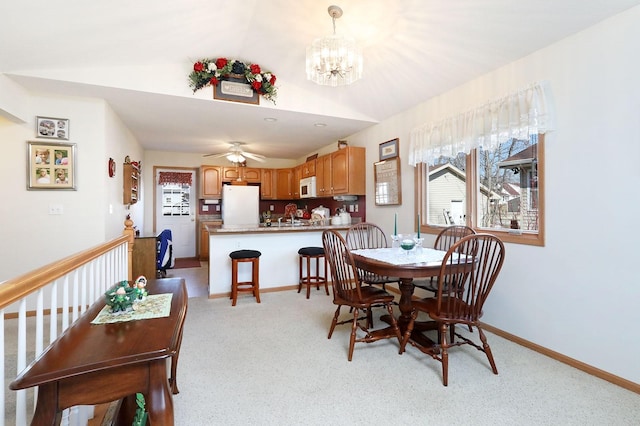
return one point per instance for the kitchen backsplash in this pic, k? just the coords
(358, 207)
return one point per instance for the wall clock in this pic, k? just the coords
(112, 167)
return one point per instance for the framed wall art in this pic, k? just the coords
(51, 166)
(53, 128)
(236, 90)
(388, 186)
(389, 149)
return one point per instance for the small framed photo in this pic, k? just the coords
(53, 128)
(389, 149)
(51, 166)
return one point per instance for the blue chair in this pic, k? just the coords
(164, 259)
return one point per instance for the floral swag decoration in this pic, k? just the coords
(209, 71)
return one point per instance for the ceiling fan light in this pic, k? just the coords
(236, 158)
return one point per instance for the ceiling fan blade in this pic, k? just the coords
(224, 154)
(256, 157)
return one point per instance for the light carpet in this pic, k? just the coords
(272, 364)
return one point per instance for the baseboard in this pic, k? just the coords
(601, 374)
(611, 378)
(262, 290)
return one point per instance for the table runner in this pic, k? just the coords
(154, 306)
(397, 256)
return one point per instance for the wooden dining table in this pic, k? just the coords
(407, 266)
(97, 363)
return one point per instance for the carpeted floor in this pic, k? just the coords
(272, 364)
(186, 262)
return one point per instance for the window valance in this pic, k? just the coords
(177, 178)
(517, 115)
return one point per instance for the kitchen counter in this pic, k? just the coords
(279, 246)
(274, 228)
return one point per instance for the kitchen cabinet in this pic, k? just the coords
(131, 184)
(249, 174)
(210, 182)
(323, 176)
(267, 184)
(348, 171)
(341, 173)
(204, 237)
(309, 168)
(284, 184)
(295, 181)
(144, 257)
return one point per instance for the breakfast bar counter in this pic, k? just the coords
(279, 246)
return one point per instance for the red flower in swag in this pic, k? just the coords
(198, 66)
(256, 85)
(221, 63)
(255, 69)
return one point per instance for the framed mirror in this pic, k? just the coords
(388, 184)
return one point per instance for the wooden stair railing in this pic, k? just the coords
(69, 285)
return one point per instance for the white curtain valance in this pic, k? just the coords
(518, 115)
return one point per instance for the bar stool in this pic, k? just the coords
(306, 254)
(252, 286)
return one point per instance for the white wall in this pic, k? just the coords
(579, 294)
(30, 236)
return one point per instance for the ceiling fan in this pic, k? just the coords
(236, 154)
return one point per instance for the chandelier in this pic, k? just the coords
(334, 60)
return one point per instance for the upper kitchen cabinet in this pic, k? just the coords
(323, 176)
(248, 174)
(284, 184)
(268, 184)
(210, 182)
(341, 173)
(309, 168)
(295, 181)
(131, 174)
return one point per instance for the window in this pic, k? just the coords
(496, 190)
(175, 199)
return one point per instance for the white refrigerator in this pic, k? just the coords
(240, 206)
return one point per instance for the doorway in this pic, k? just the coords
(175, 208)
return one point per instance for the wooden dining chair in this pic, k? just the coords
(445, 239)
(349, 291)
(469, 271)
(365, 235)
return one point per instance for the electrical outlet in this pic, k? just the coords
(351, 208)
(56, 209)
(205, 208)
(356, 207)
(270, 207)
(217, 207)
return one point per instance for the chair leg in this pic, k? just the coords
(308, 279)
(256, 277)
(300, 279)
(407, 333)
(352, 339)
(487, 350)
(234, 282)
(334, 322)
(444, 354)
(326, 276)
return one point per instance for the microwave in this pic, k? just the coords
(308, 187)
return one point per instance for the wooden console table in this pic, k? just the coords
(98, 363)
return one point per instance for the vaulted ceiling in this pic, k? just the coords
(137, 55)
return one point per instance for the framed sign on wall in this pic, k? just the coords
(388, 184)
